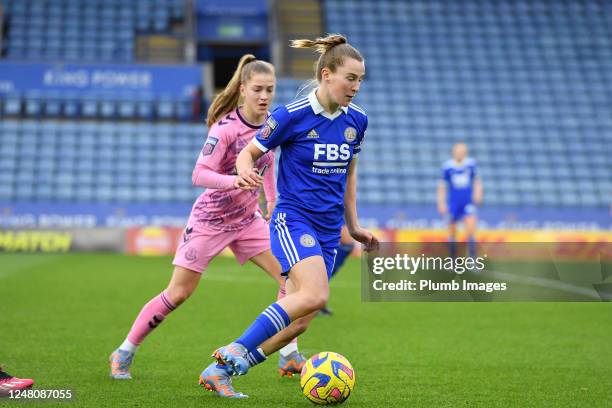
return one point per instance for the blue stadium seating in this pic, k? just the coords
(83, 30)
(526, 84)
(98, 161)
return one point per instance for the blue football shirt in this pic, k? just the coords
(459, 180)
(316, 150)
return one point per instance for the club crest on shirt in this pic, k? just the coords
(268, 128)
(350, 134)
(209, 146)
(191, 255)
(307, 241)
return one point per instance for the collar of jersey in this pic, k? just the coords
(456, 164)
(318, 109)
(244, 121)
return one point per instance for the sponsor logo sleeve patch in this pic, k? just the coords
(268, 128)
(209, 146)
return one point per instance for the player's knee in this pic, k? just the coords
(179, 294)
(315, 301)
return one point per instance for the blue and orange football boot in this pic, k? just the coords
(233, 357)
(292, 364)
(216, 378)
(120, 364)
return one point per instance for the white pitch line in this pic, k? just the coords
(27, 261)
(543, 283)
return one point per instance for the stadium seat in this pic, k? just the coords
(144, 108)
(53, 105)
(107, 108)
(33, 104)
(71, 106)
(12, 105)
(165, 108)
(89, 108)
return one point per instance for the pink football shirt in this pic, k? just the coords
(229, 209)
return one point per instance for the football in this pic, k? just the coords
(327, 378)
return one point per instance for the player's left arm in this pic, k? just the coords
(269, 187)
(477, 186)
(441, 195)
(477, 194)
(350, 211)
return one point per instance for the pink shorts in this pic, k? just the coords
(200, 245)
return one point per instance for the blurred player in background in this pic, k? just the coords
(224, 215)
(10, 383)
(459, 192)
(321, 136)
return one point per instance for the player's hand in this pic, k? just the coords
(269, 210)
(366, 238)
(248, 179)
(477, 199)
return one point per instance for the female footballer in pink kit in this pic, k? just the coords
(227, 213)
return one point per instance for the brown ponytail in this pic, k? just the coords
(333, 49)
(228, 99)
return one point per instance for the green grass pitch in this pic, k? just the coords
(62, 315)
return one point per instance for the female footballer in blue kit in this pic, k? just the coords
(459, 192)
(320, 136)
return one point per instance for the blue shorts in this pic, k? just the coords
(293, 238)
(458, 212)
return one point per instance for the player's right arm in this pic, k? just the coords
(477, 196)
(248, 175)
(275, 132)
(269, 187)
